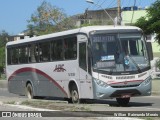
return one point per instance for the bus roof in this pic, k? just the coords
(85, 30)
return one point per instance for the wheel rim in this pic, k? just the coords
(75, 96)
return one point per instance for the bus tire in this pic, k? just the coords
(29, 91)
(123, 101)
(75, 95)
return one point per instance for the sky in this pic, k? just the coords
(15, 13)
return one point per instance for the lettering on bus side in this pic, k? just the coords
(71, 74)
(59, 68)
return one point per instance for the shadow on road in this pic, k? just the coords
(110, 102)
(113, 103)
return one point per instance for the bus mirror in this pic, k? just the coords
(89, 51)
(150, 52)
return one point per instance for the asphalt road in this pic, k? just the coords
(149, 103)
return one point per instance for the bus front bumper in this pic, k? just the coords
(105, 92)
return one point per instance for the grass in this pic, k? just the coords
(3, 77)
(150, 118)
(55, 105)
(11, 102)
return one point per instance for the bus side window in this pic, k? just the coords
(31, 53)
(9, 53)
(82, 56)
(57, 50)
(36, 53)
(44, 51)
(15, 55)
(23, 56)
(70, 48)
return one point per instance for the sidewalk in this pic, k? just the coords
(3, 83)
(156, 87)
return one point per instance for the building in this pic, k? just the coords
(18, 37)
(130, 17)
(97, 17)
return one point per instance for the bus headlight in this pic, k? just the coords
(147, 80)
(100, 82)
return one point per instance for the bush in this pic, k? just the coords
(158, 64)
(1, 70)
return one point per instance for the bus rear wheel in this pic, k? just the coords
(29, 91)
(75, 95)
(123, 101)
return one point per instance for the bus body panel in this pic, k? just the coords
(45, 78)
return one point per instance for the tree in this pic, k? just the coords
(48, 19)
(3, 40)
(151, 22)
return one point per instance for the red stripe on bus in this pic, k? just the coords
(127, 81)
(39, 72)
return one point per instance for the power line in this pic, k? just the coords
(95, 6)
(103, 2)
(112, 3)
(133, 11)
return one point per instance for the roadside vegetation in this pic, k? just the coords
(53, 105)
(150, 23)
(150, 118)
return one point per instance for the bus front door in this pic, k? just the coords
(86, 90)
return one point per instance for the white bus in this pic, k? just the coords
(95, 62)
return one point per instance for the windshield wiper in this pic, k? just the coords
(139, 70)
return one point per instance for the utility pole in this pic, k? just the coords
(119, 12)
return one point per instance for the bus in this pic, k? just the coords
(94, 62)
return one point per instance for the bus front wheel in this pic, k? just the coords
(123, 101)
(75, 95)
(29, 91)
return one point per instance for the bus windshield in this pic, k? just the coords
(119, 52)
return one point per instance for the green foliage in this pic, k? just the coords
(143, 23)
(3, 40)
(150, 23)
(48, 19)
(1, 69)
(158, 64)
(2, 56)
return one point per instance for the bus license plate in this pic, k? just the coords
(125, 96)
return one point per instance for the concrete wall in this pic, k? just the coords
(127, 16)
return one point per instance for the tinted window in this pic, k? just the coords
(57, 50)
(70, 48)
(9, 50)
(14, 55)
(23, 54)
(82, 56)
(44, 51)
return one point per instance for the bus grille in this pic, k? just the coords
(140, 75)
(125, 77)
(125, 86)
